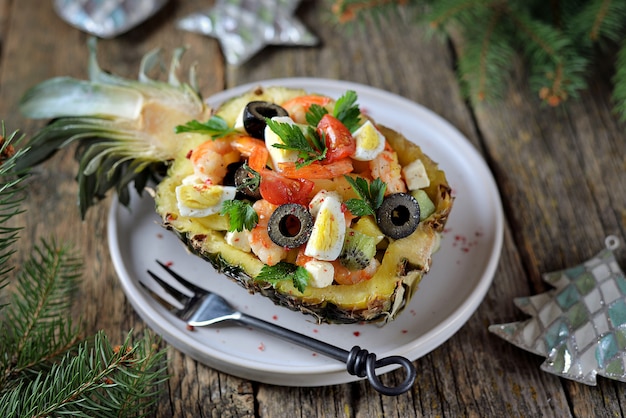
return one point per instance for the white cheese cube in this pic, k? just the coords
(415, 175)
(238, 239)
(322, 273)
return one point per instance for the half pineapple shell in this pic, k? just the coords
(380, 298)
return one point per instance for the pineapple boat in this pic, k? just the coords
(296, 196)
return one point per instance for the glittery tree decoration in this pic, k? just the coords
(244, 27)
(580, 326)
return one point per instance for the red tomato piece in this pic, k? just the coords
(279, 190)
(339, 141)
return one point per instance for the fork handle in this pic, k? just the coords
(359, 361)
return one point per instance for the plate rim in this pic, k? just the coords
(332, 373)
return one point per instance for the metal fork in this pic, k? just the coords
(205, 308)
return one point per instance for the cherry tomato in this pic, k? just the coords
(279, 190)
(339, 141)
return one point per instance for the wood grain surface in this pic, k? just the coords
(561, 174)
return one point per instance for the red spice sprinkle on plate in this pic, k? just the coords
(356, 333)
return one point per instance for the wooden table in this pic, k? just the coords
(560, 171)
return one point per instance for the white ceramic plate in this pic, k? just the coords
(449, 294)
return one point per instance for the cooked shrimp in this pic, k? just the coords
(386, 167)
(298, 106)
(254, 149)
(211, 158)
(345, 276)
(316, 170)
(260, 242)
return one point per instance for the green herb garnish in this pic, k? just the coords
(284, 271)
(309, 150)
(315, 114)
(215, 126)
(346, 111)
(252, 181)
(241, 215)
(371, 196)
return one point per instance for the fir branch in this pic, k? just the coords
(445, 12)
(486, 59)
(100, 380)
(556, 38)
(619, 80)
(557, 72)
(596, 20)
(44, 371)
(350, 10)
(11, 197)
(36, 322)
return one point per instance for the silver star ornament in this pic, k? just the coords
(244, 27)
(106, 18)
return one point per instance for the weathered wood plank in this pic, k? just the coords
(560, 172)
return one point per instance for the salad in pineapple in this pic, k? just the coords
(297, 196)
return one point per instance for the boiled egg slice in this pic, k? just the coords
(369, 142)
(318, 199)
(329, 230)
(196, 200)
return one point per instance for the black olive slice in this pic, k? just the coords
(254, 115)
(290, 225)
(398, 216)
(244, 183)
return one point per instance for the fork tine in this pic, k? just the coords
(167, 304)
(172, 291)
(197, 290)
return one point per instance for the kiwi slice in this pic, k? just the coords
(358, 250)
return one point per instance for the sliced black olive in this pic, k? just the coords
(244, 182)
(229, 178)
(254, 115)
(398, 216)
(290, 225)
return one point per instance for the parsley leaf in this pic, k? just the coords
(294, 140)
(252, 181)
(347, 111)
(215, 126)
(370, 196)
(315, 114)
(241, 215)
(284, 271)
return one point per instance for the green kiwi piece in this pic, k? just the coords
(358, 250)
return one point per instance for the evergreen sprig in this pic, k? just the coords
(558, 39)
(46, 367)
